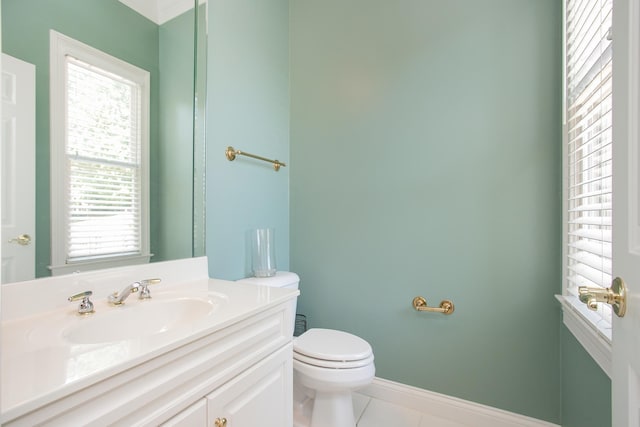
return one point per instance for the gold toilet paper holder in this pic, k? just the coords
(446, 306)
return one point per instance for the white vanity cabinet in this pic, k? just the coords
(194, 415)
(259, 396)
(236, 364)
(255, 398)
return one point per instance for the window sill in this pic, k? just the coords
(78, 267)
(593, 333)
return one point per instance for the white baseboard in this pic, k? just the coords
(447, 407)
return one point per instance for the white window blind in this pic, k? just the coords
(104, 161)
(589, 138)
(99, 158)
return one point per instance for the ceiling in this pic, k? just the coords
(159, 11)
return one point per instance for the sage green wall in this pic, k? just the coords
(110, 26)
(586, 389)
(426, 160)
(248, 108)
(175, 146)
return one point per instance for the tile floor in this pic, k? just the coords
(371, 412)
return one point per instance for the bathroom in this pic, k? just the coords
(372, 105)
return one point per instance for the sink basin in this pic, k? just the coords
(138, 319)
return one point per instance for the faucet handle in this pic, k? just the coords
(86, 306)
(144, 287)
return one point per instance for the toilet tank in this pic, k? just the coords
(282, 279)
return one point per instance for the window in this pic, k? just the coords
(99, 149)
(588, 157)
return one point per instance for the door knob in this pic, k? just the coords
(616, 295)
(23, 239)
(221, 422)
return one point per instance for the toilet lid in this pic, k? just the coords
(332, 346)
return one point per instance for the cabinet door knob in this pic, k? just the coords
(221, 422)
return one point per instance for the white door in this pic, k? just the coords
(18, 170)
(626, 210)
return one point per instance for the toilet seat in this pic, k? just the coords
(333, 364)
(333, 349)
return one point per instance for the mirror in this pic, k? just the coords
(165, 45)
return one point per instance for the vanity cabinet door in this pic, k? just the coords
(194, 415)
(260, 396)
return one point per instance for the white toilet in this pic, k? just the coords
(327, 366)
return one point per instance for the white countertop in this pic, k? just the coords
(40, 364)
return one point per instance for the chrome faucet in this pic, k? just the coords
(142, 286)
(86, 306)
(118, 298)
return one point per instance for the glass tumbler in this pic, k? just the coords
(263, 252)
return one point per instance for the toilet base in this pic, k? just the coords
(333, 410)
(325, 410)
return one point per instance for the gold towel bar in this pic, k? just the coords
(231, 154)
(446, 306)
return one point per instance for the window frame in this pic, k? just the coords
(60, 47)
(588, 328)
